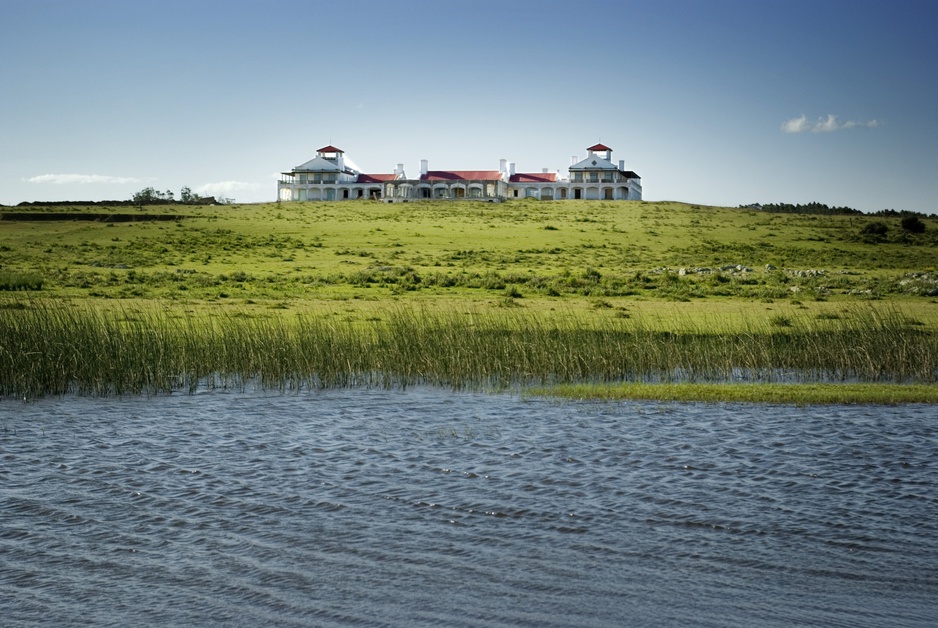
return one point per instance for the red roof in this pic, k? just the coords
(376, 178)
(330, 149)
(599, 147)
(464, 175)
(533, 177)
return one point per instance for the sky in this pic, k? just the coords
(714, 102)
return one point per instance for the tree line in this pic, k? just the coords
(146, 196)
(824, 209)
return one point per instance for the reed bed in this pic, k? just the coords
(47, 349)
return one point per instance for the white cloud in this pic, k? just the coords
(797, 125)
(227, 188)
(65, 179)
(824, 125)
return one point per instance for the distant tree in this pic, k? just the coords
(151, 196)
(186, 195)
(146, 196)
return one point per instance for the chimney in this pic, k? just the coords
(399, 173)
(511, 169)
(621, 164)
(423, 167)
(544, 171)
(573, 160)
(503, 166)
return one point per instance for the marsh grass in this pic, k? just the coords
(48, 349)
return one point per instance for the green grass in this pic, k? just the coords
(12, 282)
(791, 394)
(51, 350)
(310, 254)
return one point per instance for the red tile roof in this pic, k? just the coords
(376, 178)
(599, 147)
(464, 175)
(330, 149)
(533, 177)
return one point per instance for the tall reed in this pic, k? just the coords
(47, 349)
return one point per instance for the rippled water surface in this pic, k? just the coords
(431, 507)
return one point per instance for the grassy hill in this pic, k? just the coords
(658, 260)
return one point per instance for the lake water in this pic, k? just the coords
(429, 507)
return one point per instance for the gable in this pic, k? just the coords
(594, 162)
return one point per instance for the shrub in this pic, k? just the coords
(875, 228)
(912, 224)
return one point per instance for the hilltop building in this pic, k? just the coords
(332, 176)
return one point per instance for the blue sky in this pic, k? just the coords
(720, 102)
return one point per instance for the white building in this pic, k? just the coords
(332, 176)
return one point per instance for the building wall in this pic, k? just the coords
(626, 190)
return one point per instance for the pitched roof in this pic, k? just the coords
(318, 164)
(599, 147)
(376, 178)
(533, 177)
(461, 175)
(330, 149)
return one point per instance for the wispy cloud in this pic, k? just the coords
(227, 188)
(824, 125)
(65, 179)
